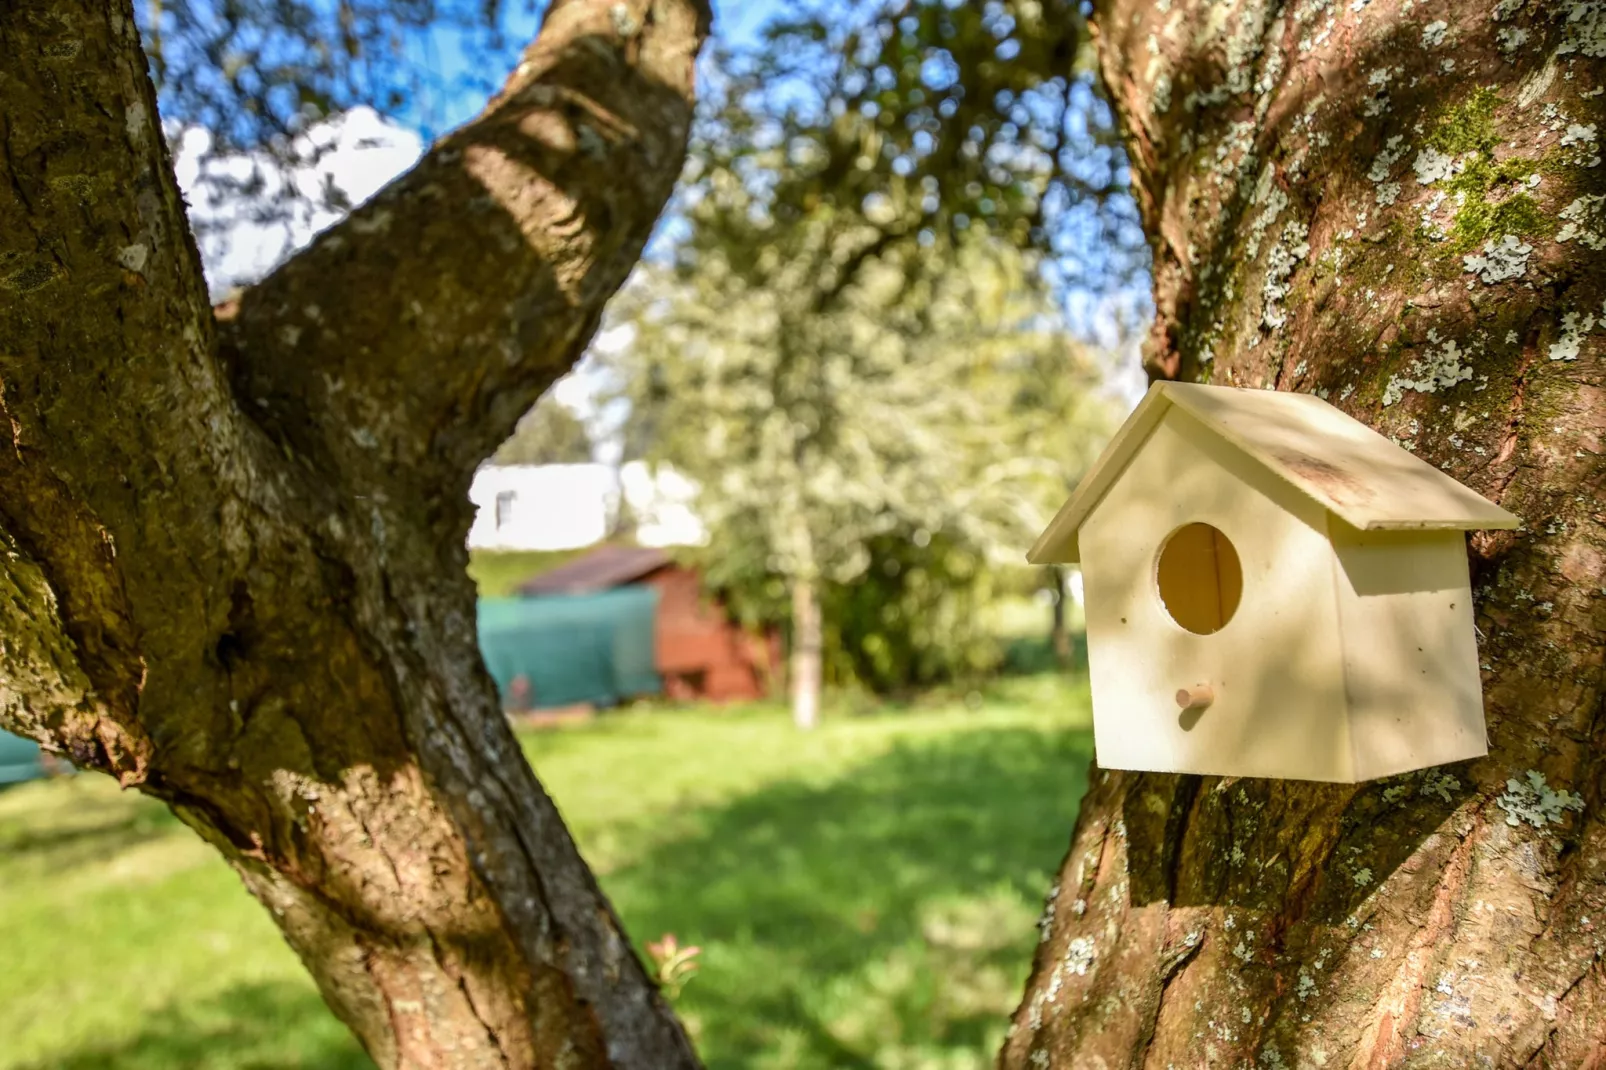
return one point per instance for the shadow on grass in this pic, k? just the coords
(77, 830)
(264, 1026)
(881, 917)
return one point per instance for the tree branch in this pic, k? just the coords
(405, 342)
(273, 632)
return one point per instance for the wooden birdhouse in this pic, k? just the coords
(1274, 590)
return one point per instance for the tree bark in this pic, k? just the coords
(1329, 188)
(232, 547)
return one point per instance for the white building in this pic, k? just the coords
(565, 506)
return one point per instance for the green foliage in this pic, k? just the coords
(862, 895)
(257, 72)
(550, 433)
(856, 352)
(915, 618)
(928, 119)
(888, 440)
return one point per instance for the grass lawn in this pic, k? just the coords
(864, 894)
(497, 573)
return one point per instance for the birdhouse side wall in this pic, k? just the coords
(1410, 649)
(1275, 668)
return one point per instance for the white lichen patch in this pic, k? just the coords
(134, 121)
(1272, 67)
(1432, 166)
(1533, 801)
(625, 24)
(1579, 134)
(1379, 79)
(1274, 199)
(1045, 921)
(1244, 45)
(1585, 33)
(1574, 325)
(1433, 33)
(1285, 256)
(1440, 784)
(1439, 369)
(1160, 98)
(1511, 38)
(1384, 161)
(133, 257)
(1582, 138)
(1585, 222)
(1307, 984)
(1362, 877)
(1079, 955)
(1497, 263)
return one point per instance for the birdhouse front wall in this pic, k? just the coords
(1275, 669)
(1410, 649)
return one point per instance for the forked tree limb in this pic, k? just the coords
(231, 556)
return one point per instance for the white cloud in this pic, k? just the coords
(250, 212)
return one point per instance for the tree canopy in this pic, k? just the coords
(550, 433)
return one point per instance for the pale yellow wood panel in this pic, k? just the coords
(1346, 466)
(1410, 652)
(1336, 462)
(1275, 669)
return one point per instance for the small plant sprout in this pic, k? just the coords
(673, 965)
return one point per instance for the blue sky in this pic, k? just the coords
(455, 72)
(442, 55)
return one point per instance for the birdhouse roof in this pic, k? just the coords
(1344, 466)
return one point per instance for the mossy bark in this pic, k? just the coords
(231, 544)
(1397, 205)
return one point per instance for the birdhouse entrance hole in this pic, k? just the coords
(1199, 578)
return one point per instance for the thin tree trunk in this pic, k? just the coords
(1059, 637)
(1397, 205)
(806, 653)
(233, 567)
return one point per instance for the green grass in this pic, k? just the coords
(498, 572)
(864, 894)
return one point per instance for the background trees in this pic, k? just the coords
(858, 344)
(550, 433)
(878, 457)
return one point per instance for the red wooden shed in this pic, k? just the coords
(698, 649)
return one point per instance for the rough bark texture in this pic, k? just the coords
(1395, 204)
(231, 548)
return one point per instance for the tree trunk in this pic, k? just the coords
(1059, 637)
(1397, 206)
(233, 566)
(806, 653)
